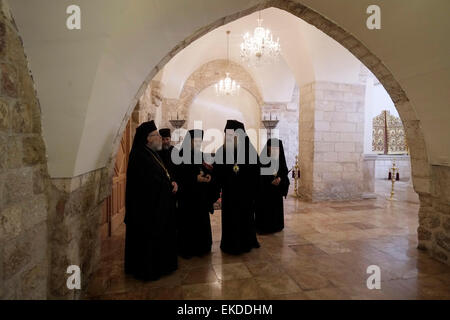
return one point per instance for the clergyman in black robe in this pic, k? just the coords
(166, 155)
(236, 170)
(150, 240)
(195, 202)
(274, 185)
(166, 152)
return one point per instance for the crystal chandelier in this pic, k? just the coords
(260, 48)
(227, 86)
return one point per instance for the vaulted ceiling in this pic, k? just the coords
(87, 79)
(307, 55)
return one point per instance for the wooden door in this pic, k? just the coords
(114, 205)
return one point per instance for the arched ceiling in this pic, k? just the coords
(207, 75)
(307, 55)
(87, 79)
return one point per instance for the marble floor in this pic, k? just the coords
(323, 253)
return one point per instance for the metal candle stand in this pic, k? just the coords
(296, 175)
(177, 124)
(394, 171)
(269, 125)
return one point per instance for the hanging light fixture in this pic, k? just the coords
(260, 48)
(227, 86)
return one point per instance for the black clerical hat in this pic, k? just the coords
(196, 133)
(234, 125)
(146, 127)
(140, 138)
(165, 132)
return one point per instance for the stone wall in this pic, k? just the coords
(75, 213)
(149, 107)
(23, 173)
(332, 135)
(287, 114)
(384, 163)
(45, 225)
(306, 141)
(27, 215)
(170, 107)
(434, 216)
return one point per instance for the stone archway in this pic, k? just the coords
(207, 75)
(210, 73)
(430, 183)
(414, 134)
(432, 206)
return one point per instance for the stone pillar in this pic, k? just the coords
(369, 176)
(24, 179)
(306, 141)
(434, 216)
(331, 141)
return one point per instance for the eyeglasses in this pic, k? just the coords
(155, 135)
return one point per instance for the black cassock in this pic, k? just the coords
(166, 156)
(150, 242)
(195, 205)
(269, 217)
(239, 186)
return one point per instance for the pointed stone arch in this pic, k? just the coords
(421, 169)
(210, 73)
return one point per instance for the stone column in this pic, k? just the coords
(369, 176)
(331, 141)
(306, 141)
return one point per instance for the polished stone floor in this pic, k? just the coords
(323, 253)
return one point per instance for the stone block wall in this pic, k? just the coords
(287, 114)
(331, 141)
(306, 141)
(434, 216)
(149, 107)
(33, 264)
(23, 173)
(75, 213)
(170, 107)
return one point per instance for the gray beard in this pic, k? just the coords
(154, 147)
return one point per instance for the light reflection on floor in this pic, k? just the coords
(323, 253)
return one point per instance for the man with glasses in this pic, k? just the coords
(150, 240)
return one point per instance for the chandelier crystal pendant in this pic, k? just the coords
(260, 49)
(227, 86)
